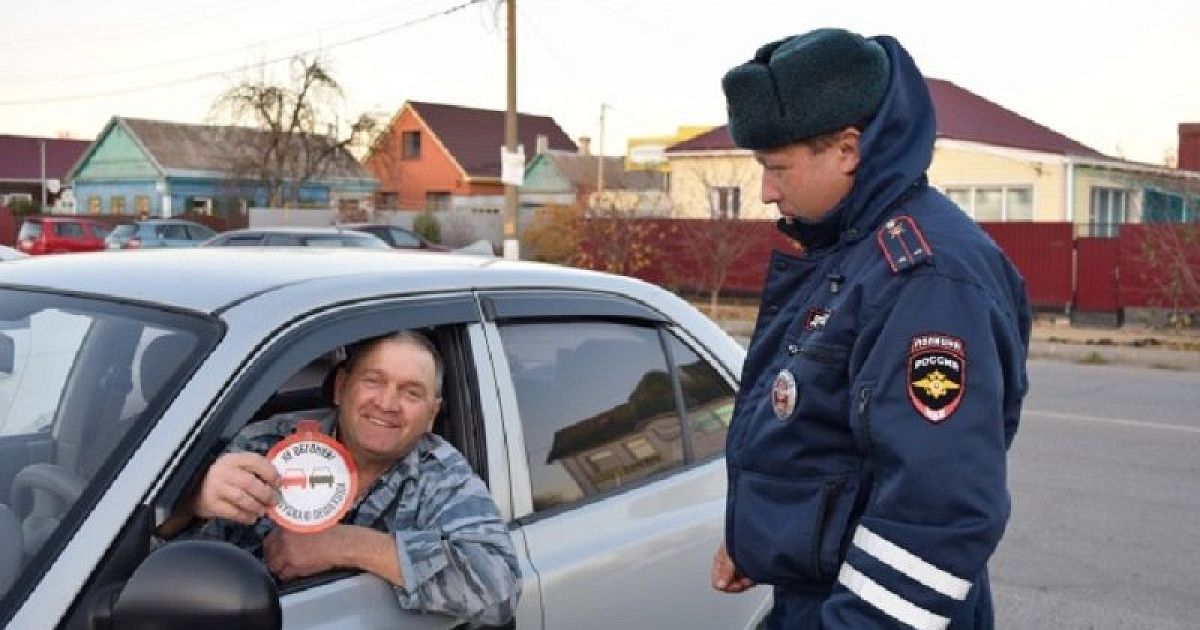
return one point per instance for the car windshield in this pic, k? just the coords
(81, 380)
(124, 230)
(345, 240)
(30, 230)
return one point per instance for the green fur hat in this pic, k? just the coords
(804, 86)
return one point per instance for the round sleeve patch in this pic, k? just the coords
(937, 375)
(319, 479)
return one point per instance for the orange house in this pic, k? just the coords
(433, 153)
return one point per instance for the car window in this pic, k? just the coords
(172, 231)
(199, 232)
(241, 241)
(30, 230)
(124, 230)
(597, 406)
(68, 230)
(99, 231)
(402, 238)
(276, 240)
(707, 397)
(76, 377)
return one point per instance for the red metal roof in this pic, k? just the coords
(964, 115)
(20, 157)
(961, 115)
(474, 136)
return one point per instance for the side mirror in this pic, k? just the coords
(198, 584)
(8, 352)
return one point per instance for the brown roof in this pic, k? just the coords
(961, 115)
(213, 148)
(474, 136)
(21, 157)
(582, 170)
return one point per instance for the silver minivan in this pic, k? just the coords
(595, 408)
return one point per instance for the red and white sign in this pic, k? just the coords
(319, 480)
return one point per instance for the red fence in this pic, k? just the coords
(1147, 266)
(8, 227)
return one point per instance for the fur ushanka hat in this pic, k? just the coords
(805, 86)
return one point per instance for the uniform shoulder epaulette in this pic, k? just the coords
(903, 244)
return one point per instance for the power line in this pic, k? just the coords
(57, 78)
(245, 67)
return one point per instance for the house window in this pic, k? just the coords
(1109, 209)
(141, 204)
(437, 200)
(200, 205)
(388, 200)
(725, 201)
(410, 145)
(1165, 207)
(994, 203)
(95, 204)
(118, 205)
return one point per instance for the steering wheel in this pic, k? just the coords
(41, 494)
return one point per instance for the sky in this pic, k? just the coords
(1116, 76)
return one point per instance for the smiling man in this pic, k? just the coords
(422, 520)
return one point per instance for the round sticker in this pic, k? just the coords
(783, 394)
(319, 479)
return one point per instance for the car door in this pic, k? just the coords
(616, 424)
(343, 599)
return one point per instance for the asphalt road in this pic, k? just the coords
(1105, 484)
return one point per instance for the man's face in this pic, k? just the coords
(807, 183)
(386, 402)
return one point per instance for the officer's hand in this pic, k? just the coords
(238, 487)
(726, 577)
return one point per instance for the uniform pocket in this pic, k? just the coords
(789, 532)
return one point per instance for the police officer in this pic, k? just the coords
(884, 381)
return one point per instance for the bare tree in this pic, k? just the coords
(723, 240)
(614, 235)
(289, 134)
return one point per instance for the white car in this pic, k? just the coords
(8, 253)
(594, 406)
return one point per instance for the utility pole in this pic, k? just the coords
(512, 246)
(600, 154)
(42, 144)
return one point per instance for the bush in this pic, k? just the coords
(426, 225)
(24, 207)
(553, 236)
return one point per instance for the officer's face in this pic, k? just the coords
(806, 181)
(386, 402)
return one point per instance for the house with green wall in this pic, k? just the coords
(165, 169)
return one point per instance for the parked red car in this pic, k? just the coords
(60, 235)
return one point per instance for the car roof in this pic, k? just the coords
(63, 219)
(218, 277)
(293, 229)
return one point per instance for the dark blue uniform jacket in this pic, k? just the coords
(880, 393)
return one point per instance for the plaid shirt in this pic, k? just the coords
(454, 550)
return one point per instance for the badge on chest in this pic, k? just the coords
(784, 394)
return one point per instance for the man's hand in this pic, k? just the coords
(726, 577)
(290, 555)
(238, 487)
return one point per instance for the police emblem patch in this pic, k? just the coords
(319, 479)
(783, 394)
(937, 375)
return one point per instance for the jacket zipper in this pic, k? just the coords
(818, 355)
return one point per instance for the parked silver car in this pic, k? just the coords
(152, 233)
(594, 406)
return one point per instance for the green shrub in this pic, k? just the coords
(426, 225)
